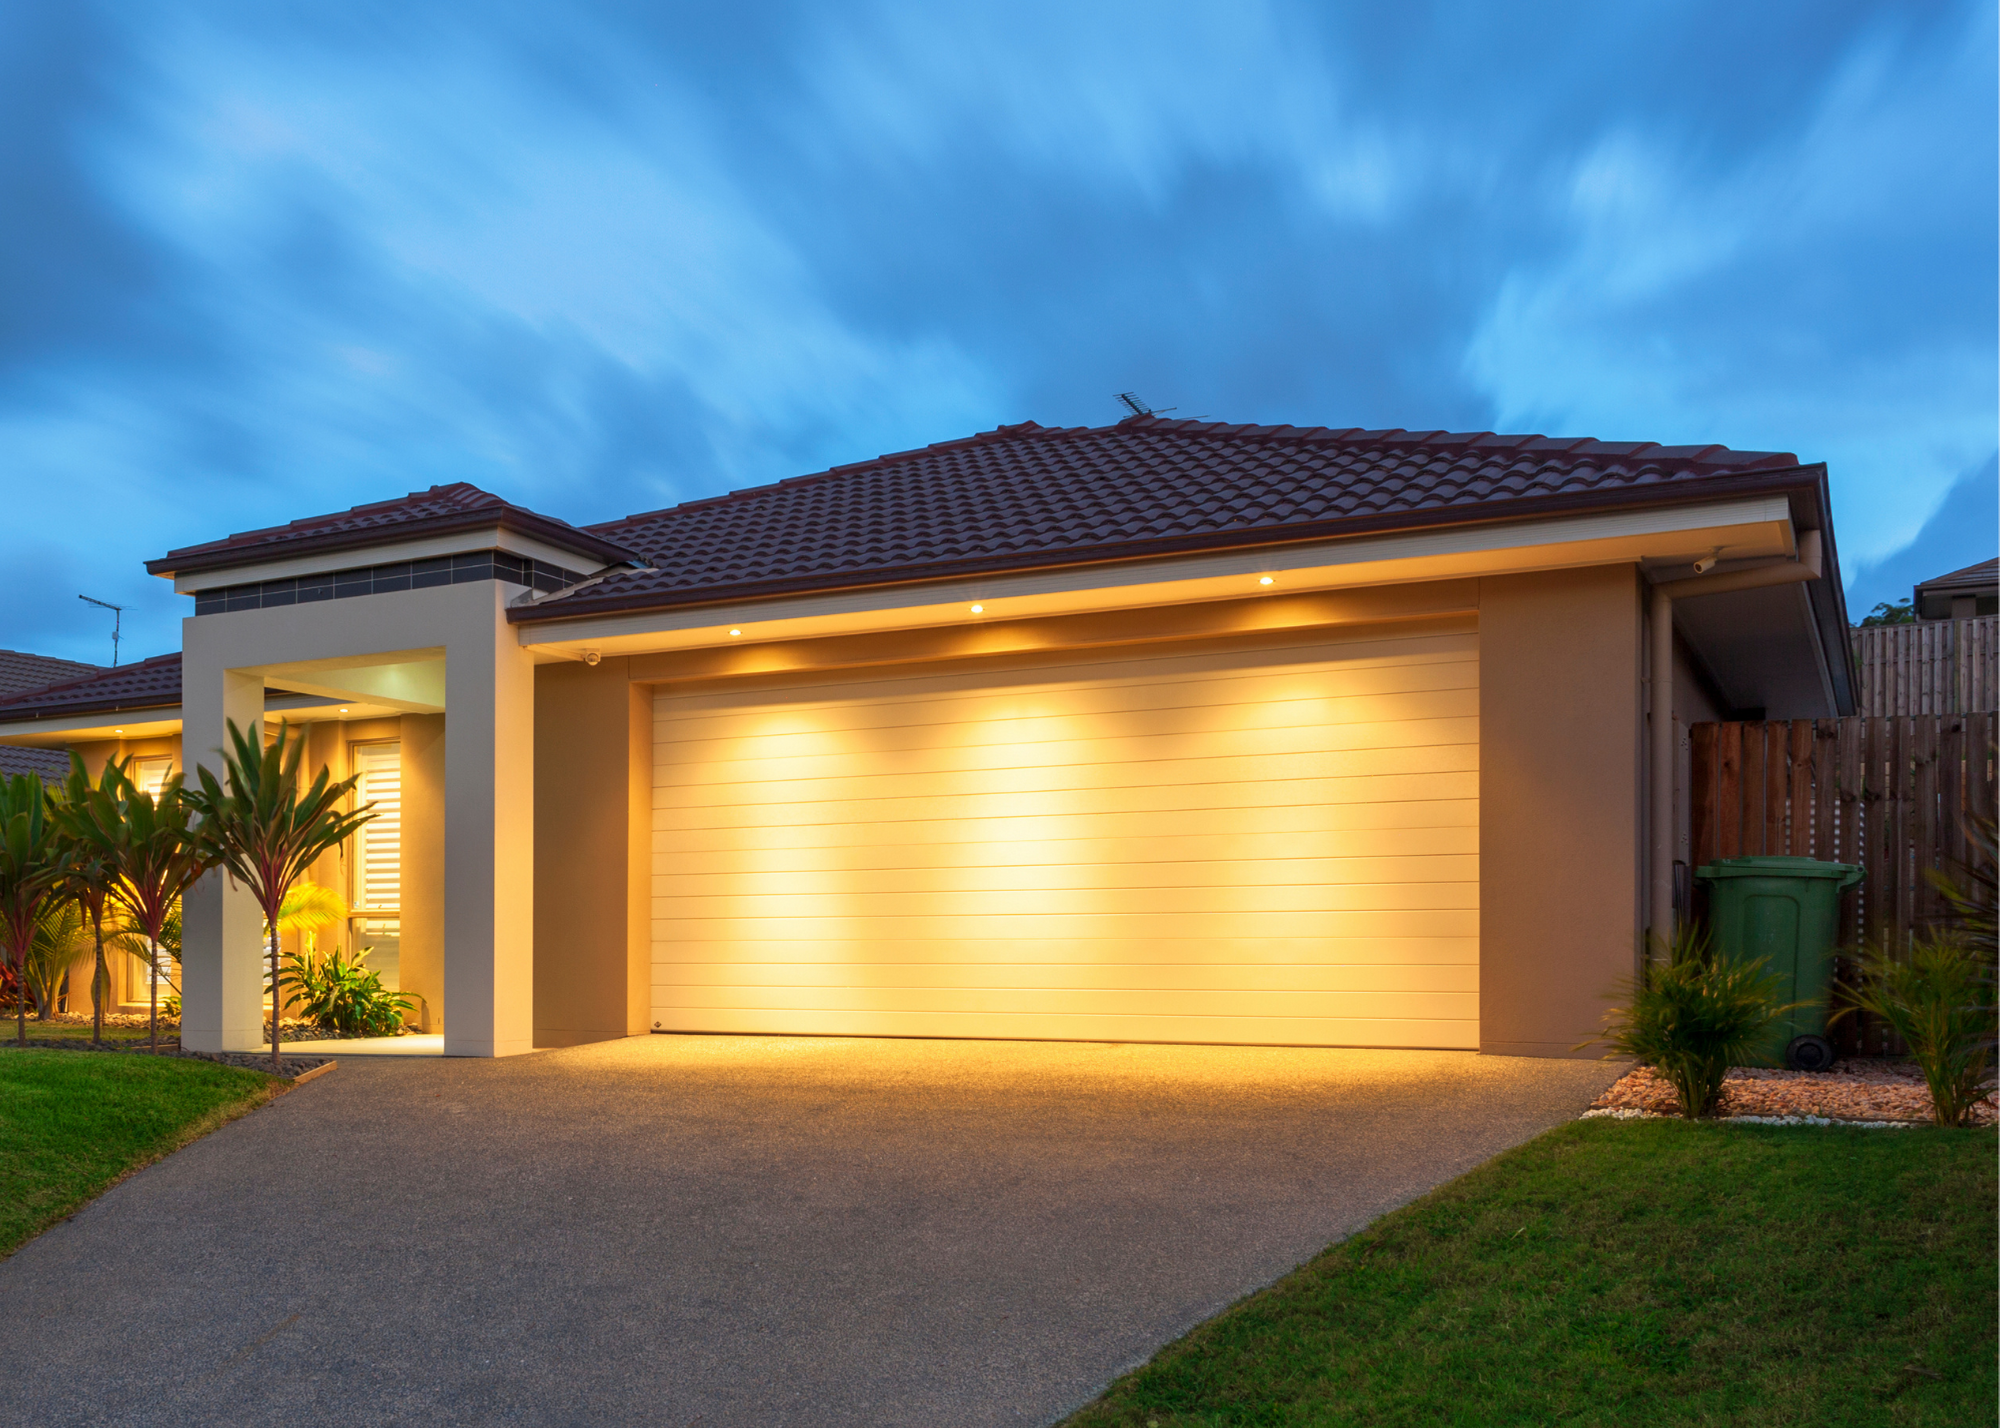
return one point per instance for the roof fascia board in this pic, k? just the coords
(70, 728)
(491, 536)
(1757, 525)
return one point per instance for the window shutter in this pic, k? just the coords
(378, 861)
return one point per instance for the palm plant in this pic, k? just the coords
(91, 870)
(1693, 1014)
(256, 824)
(31, 875)
(1940, 1000)
(60, 935)
(151, 846)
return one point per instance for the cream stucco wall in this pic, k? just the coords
(1561, 763)
(592, 751)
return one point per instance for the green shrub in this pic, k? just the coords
(1693, 1015)
(1940, 1000)
(344, 996)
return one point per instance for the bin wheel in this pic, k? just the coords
(1809, 1053)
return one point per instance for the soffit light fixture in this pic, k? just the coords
(1263, 580)
(734, 633)
(978, 609)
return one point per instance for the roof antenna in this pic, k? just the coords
(117, 620)
(1138, 408)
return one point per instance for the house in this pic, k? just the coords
(23, 673)
(1159, 731)
(1962, 595)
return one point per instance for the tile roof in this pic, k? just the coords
(21, 672)
(1028, 495)
(150, 684)
(438, 511)
(1986, 573)
(51, 764)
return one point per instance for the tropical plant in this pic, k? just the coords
(310, 908)
(151, 846)
(90, 867)
(1940, 1000)
(256, 824)
(61, 934)
(344, 996)
(1692, 1014)
(31, 874)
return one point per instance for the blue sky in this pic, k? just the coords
(265, 259)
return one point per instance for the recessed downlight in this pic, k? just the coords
(978, 609)
(734, 633)
(1263, 580)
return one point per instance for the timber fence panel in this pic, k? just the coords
(1930, 667)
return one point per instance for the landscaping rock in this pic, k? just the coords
(1855, 1091)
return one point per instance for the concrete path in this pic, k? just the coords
(732, 1230)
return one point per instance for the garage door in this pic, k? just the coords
(1270, 841)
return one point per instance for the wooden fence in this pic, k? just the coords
(1931, 667)
(1890, 795)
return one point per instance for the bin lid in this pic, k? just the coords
(1775, 866)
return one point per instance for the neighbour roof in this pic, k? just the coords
(438, 511)
(21, 672)
(1983, 576)
(150, 684)
(1028, 495)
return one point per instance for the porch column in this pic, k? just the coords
(222, 980)
(489, 849)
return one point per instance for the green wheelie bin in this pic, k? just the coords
(1786, 913)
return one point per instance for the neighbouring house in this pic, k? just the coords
(1161, 731)
(1961, 595)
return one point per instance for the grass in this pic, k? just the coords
(73, 1125)
(1639, 1272)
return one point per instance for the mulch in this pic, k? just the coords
(1850, 1091)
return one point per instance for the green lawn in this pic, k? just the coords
(1637, 1272)
(73, 1123)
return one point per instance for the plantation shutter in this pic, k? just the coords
(151, 775)
(378, 852)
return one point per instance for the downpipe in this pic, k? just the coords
(1660, 791)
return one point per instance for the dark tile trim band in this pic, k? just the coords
(385, 579)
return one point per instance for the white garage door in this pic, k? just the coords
(1269, 841)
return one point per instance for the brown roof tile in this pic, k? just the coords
(150, 684)
(440, 510)
(1028, 495)
(21, 672)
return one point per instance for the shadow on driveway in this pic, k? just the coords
(733, 1230)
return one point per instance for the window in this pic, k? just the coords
(151, 776)
(378, 859)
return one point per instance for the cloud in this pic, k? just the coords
(1962, 531)
(607, 255)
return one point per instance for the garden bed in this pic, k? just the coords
(1875, 1091)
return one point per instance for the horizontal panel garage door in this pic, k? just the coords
(1268, 841)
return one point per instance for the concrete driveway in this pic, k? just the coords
(732, 1230)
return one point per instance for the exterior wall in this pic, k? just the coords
(592, 820)
(1561, 840)
(423, 737)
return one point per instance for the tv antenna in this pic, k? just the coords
(1138, 407)
(117, 620)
